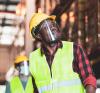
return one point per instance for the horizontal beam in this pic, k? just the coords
(5, 24)
(9, 2)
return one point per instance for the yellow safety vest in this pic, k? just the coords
(61, 78)
(16, 86)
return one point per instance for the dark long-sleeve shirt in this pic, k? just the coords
(81, 64)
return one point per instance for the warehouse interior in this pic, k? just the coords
(79, 21)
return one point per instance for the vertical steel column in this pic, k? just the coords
(98, 21)
(30, 6)
(81, 22)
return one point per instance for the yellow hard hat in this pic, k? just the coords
(37, 18)
(20, 59)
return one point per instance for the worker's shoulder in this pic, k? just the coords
(67, 43)
(35, 52)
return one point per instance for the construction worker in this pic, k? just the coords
(21, 80)
(58, 66)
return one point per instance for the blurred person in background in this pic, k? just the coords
(58, 66)
(18, 77)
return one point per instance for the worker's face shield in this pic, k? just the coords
(23, 68)
(48, 31)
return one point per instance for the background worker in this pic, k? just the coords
(20, 81)
(58, 66)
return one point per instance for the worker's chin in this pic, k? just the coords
(52, 43)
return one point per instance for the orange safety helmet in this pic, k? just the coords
(20, 59)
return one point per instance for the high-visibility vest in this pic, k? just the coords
(17, 87)
(60, 78)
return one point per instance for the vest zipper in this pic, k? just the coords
(50, 65)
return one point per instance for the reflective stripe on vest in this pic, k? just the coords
(16, 86)
(60, 84)
(60, 78)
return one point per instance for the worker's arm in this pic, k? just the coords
(84, 69)
(90, 89)
(90, 84)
